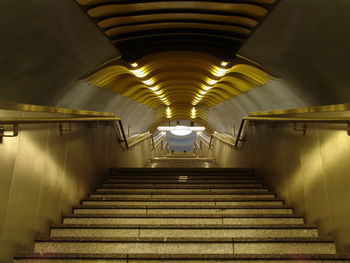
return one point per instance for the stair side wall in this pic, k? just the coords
(43, 174)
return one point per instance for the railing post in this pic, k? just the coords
(123, 134)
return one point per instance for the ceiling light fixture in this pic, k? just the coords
(140, 73)
(134, 65)
(212, 81)
(168, 112)
(224, 63)
(180, 130)
(219, 72)
(148, 82)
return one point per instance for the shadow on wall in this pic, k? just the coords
(85, 96)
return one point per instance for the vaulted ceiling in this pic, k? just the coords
(178, 57)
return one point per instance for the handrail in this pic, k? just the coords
(16, 121)
(314, 120)
(241, 135)
(206, 140)
(224, 138)
(5, 121)
(139, 138)
(157, 140)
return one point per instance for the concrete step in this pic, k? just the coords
(188, 196)
(185, 245)
(177, 258)
(181, 171)
(183, 186)
(188, 177)
(183, 191)
(172, 209)
(181, 180)
(181, 219)
(181, 230)
(183, 203)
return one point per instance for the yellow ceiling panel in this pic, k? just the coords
(179, 80)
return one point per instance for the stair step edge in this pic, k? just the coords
(184, 216)
(181, 207)
(186, 226)
(186, 239)
(26, 255)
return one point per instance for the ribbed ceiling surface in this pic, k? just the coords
(180, 54)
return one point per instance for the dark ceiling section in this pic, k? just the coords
(140, 28)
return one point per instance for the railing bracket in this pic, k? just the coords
(62, 129)
(303, 129)
(8, 133)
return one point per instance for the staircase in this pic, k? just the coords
(182, 215)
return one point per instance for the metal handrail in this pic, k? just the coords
(219, 136)
(241, 134)
(139, 138)
(157, 140)
(16, 121)
(9, 121)
(206, 140)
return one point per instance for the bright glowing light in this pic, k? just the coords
(140, 73)
(193, 113)
(157, 92)
(134, 65)
(206, 88)
(212, 81)
(155, 88)
(180, 130)
(199, 96)
(224, 64)
(219, 72)
(148, 82)
(203, 92)
(168, 112)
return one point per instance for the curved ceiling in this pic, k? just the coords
(139, 27)
(179, 84)
(178, 57)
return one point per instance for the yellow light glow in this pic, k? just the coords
(155, 88)
(134, 65)
(206, 88)
(212, 81)
(148, 82)
(203, 92)
(157, 92)
(168, 113)
(219, 72)
(140, 73)
(199, 96)
(224, 63)
(193, 113)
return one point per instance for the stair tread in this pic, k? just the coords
(182, 207)
(184, 216)
(184, 192)
(187, 239)
(189, 226)
(183, 199)
(27, 255)
(185, 187)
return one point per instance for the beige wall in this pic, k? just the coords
(310, 172)
(43, 174)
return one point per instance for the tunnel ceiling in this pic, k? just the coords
(178, 54)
